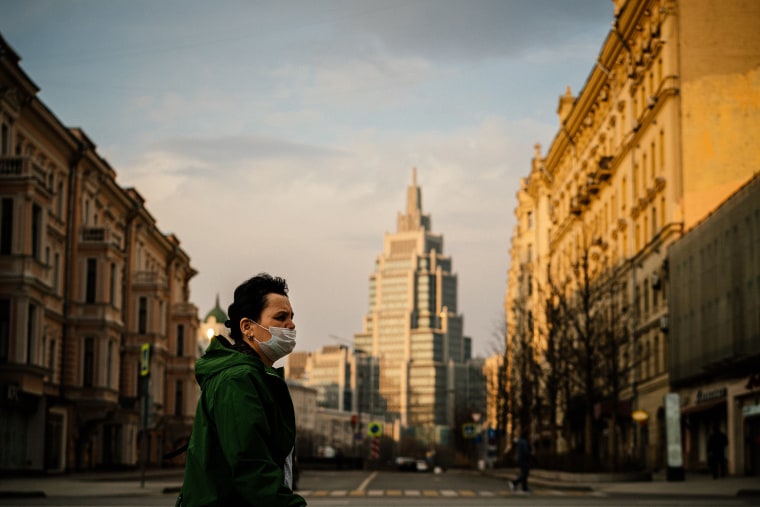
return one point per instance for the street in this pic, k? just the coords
(453, 488)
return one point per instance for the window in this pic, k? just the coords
(178, 398)
(88, 362)
(36, 230)
(112, 287)
(31, 330)
(5, 325)
(91, 281)
(142, 315)
(5, 140)
(530, 220)
(51, 358)
(56, 271)
(59, 200)
(6, 227)
(180, 340)
(109, 364)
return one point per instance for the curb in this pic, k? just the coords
(747, 493)
(22, 494)
(171, 489)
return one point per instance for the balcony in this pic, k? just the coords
(97, 234)
(184, 310)
(149, 280)
(99, 237)
(21, 167)
(592, 185)
(575, 206)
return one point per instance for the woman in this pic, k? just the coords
(241, 448)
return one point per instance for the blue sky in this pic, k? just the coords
(281, 136)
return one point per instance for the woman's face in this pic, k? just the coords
(277, 313)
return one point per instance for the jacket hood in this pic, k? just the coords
(220, 356)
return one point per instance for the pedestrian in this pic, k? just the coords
(241, 447)
(716, 452)
(522, 449)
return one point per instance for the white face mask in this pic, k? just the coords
(282, 342)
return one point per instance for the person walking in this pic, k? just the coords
(241, 447)
(716, 452)
(522, 448)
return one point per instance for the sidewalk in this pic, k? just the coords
(95, 484)
(700, 485)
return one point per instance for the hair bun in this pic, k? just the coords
(228, 324)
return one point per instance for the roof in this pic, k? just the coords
(217, 313)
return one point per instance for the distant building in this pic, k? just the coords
(413, 328)
(86, 280)
(212, 325)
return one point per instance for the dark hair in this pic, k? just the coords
(251, 299)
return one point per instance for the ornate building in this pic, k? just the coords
(86, 279)
(661, 134)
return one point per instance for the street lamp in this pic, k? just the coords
(476, 417)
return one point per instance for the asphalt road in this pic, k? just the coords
(410, 489)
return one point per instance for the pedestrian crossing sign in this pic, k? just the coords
(375, 429)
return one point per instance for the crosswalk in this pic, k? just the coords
(441, 493)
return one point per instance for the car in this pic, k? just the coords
(422, 465)
(406, 464)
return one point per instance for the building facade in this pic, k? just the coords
(661, 133)
(412, 326)
(86, 279)
(714, 349)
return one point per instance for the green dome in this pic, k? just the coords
(217, 313)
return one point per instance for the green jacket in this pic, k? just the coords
(244, 431)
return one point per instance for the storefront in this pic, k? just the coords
(748, 421)
(702, 410)
(734, 407)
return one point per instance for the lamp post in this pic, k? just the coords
(476, 417)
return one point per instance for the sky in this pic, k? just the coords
(280, 136)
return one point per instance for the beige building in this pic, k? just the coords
(413, 328)
(661, 134)
(86, 279)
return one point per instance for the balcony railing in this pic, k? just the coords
(21, 167)
(94, 234)
(153, 278)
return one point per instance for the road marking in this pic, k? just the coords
(366, 481)
(451, 493)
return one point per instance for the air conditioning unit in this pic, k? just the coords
(664, 323)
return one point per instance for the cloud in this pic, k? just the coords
(317, 214)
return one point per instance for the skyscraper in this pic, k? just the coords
(412, 326)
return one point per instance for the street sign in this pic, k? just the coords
(145, 359)
(375, 429)
(469, 430)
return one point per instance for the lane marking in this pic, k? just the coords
(366, 481)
